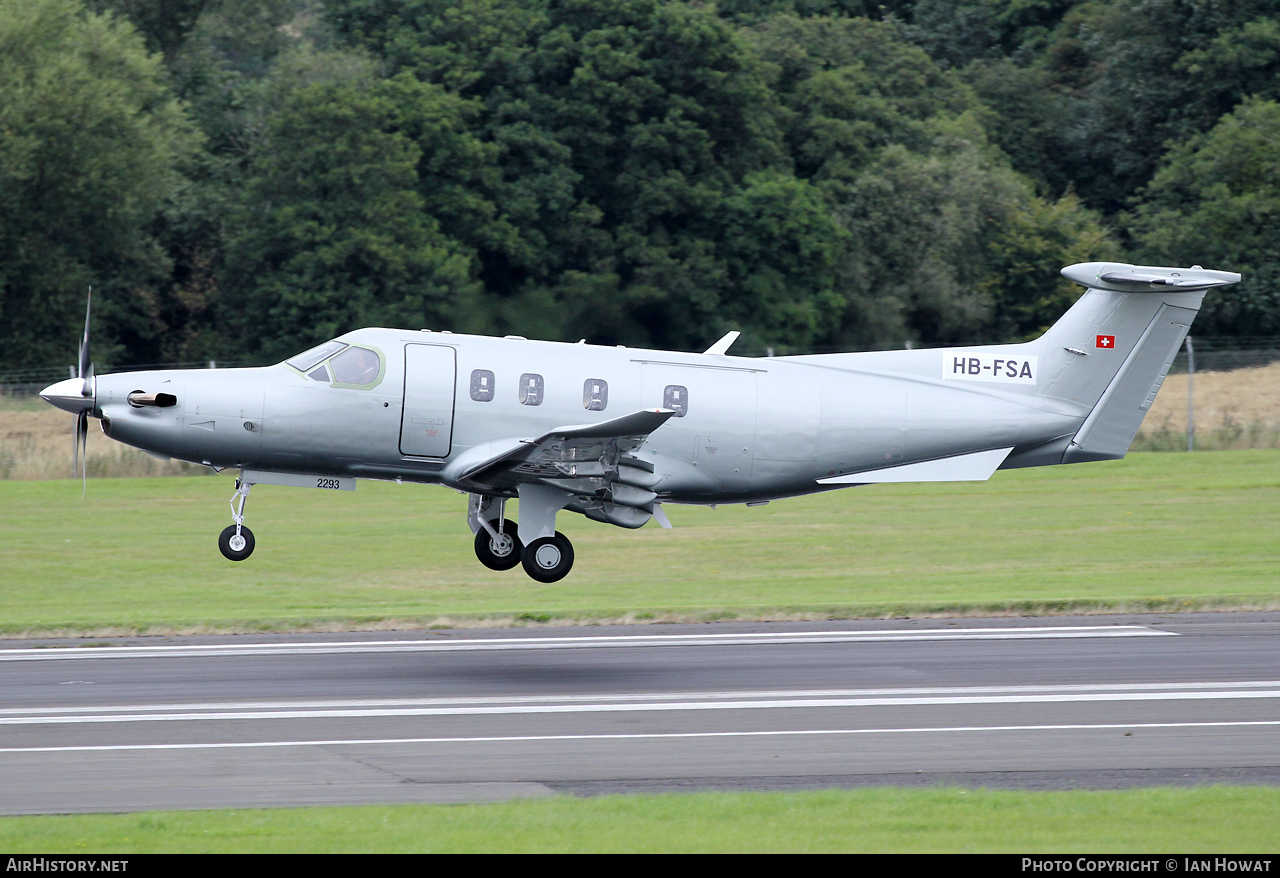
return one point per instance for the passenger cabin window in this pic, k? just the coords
(482, 385)
(595, 394)
(356, 366)
(676, 398)
(530, 389)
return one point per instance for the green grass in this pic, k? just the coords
(1154, 532)
(1162, 820)
(1161, 532)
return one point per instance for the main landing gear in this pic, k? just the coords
(548, 557)
(498, 549)
(236, 541)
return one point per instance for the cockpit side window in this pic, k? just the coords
(304, 362)
(358, 367)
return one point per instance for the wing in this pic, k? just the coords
(581, 459)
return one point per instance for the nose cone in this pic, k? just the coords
(69, 395)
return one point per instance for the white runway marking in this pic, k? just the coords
(658, 736)
(640, 640)
(915, 691)
(857, 698)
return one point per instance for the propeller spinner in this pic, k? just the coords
(78, 395)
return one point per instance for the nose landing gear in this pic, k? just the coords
(236, 541)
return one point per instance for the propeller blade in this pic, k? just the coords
(85, 370)
(82, 450)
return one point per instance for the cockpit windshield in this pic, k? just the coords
(304, 361)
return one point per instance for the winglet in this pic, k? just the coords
(720, 348)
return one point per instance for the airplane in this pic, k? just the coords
(613, 433)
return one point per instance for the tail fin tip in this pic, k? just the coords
(1121, 277)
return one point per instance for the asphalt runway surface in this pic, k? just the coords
(470, 715)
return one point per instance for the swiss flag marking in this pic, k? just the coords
(1105, 341)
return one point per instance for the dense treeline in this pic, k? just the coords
(242, 178)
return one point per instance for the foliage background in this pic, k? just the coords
(239, 179)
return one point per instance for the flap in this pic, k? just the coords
(566, 452)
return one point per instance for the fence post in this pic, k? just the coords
(1191, 409)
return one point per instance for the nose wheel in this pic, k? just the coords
(236, 541)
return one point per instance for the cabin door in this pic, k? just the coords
(426, 426)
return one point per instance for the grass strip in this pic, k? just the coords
(1162, 820)
(1155, 532)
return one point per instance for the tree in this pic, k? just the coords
(852, 87)
(920, 226)
(1034, 240)
(1025, 120)
(1153, 73)
(951, 246)
(92, 146)
(956, 34)
(783, 245)
(1215, 201)
(623, 132)
(334, 231)
(164, 24)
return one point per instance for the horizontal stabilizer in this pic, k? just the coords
(976, 467)
(1124, 278)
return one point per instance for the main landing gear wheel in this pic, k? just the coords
(236, 546)
(548, 559)
(500, 554)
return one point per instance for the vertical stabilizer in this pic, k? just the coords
(1112, 350)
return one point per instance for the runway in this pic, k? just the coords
(453, 716)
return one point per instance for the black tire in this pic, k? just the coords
(224, 543)
(549, 559)
(490, 556)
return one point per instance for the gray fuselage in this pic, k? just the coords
(745, 429)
